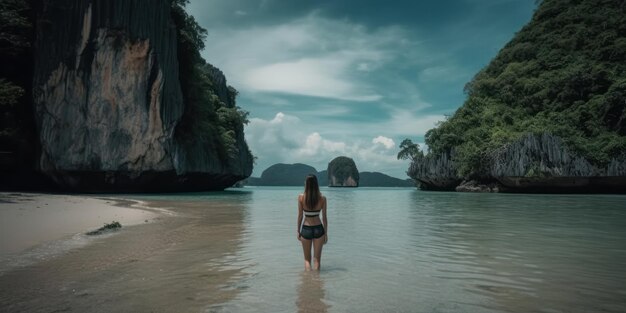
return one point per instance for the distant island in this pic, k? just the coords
(283, 175)
(342, 172)
(546, 115)
(293, 175)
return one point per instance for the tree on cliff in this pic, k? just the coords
(563, 73)
(410, 151)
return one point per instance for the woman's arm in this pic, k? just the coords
(325, 220)
(299, 215)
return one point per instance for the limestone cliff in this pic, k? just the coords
(108, 100)
(435, 172)
(547, 114)
(534, 163)
(544, 163)
(342, 172)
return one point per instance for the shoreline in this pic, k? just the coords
(165, 264)
(40, 223)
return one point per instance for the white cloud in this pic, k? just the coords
(316, 146)
(311, 56)
(387, 142)
(271, 134)
(309, 77)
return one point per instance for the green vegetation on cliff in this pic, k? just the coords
(563, 73)
(17, 126)
(211, 116)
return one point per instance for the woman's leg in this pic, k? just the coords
(317, 247)
(306, 246)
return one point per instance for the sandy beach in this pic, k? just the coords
(173, 262)
(30, 219)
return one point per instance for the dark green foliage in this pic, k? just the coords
(10, 96)
(113, 226)
(343, 167)
(410, 151)
(18, 140)
(15, 27)
(564, 73)
(230, 122)
(191, 35)
(9, 93)
(208, 118)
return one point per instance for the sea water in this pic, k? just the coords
(406, 250)
(388, 250)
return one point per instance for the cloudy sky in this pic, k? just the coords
(324, 78)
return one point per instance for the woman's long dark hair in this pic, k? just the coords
(312, 194)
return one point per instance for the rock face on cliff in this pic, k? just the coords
(544, 163)
(543, 155)
(435, 172)
(534, 163)
(108, 100)
(342, 172)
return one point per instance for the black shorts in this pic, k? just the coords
(312, 232)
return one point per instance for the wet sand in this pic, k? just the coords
(178, 263)
(31, 219)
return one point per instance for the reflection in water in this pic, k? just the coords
(311, 293)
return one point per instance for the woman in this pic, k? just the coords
(311, 230)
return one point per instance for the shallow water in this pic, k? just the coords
(406, 250)
(389, 250)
